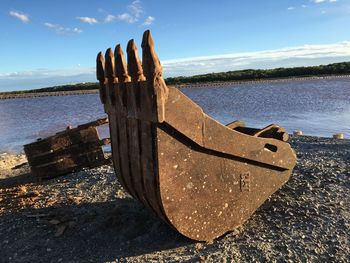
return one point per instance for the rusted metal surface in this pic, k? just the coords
(67, 151)
(201, 177)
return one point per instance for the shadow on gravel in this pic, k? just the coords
(88, 232)
(19, 180)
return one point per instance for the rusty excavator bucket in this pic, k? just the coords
(201, 177)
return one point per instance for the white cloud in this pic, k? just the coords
(19, 15)
(305, 55)
(136, 8)
(323, 1)
(63, 30)
(88, 20)
(47, 73)
(291, 8)
(127, 18)
(110, 18)
(41, 78)
(134, 11)
(285, 57)
(149, 21)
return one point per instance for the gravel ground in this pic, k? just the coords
(87, 217)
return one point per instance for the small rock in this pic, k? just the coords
(199, 246)
(60, 230)
(54, 221)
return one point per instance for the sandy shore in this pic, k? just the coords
(88, 217)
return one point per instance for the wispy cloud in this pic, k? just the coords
(323, 1)
(19, 15)
(110, 18)
(136, 8)
(63, 30)
(127, 18)
(40, 78)
(88, 20)
(42, 73)
(134, 12)
(148, 21)
(285, 57)
(290, 8)
(305, 55)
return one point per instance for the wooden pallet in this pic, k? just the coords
(67, 151)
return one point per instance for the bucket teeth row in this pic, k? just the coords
(112, 68)
(127, 96)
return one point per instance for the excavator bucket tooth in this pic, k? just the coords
(201, 177)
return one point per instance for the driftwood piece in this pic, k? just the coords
(67, 151)
(201, 177)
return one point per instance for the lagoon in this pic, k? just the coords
(318, 107)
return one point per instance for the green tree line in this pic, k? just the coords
(238, 75)
(261, 74)
(68, 87)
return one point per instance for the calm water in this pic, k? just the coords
(317, 107)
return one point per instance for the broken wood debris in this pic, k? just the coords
(67, 151)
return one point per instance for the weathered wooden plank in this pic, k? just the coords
(59, 141)
(69, 163)
(70, 151)
(67, 150)
(95, 123)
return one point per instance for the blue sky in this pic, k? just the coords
(45, 43)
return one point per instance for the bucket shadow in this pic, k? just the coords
(92, 232)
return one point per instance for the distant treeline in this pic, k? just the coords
(261, 74)
(68, 87)
(238, 75)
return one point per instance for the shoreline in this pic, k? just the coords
(180, 86)
(46, 94)
(272, 80)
